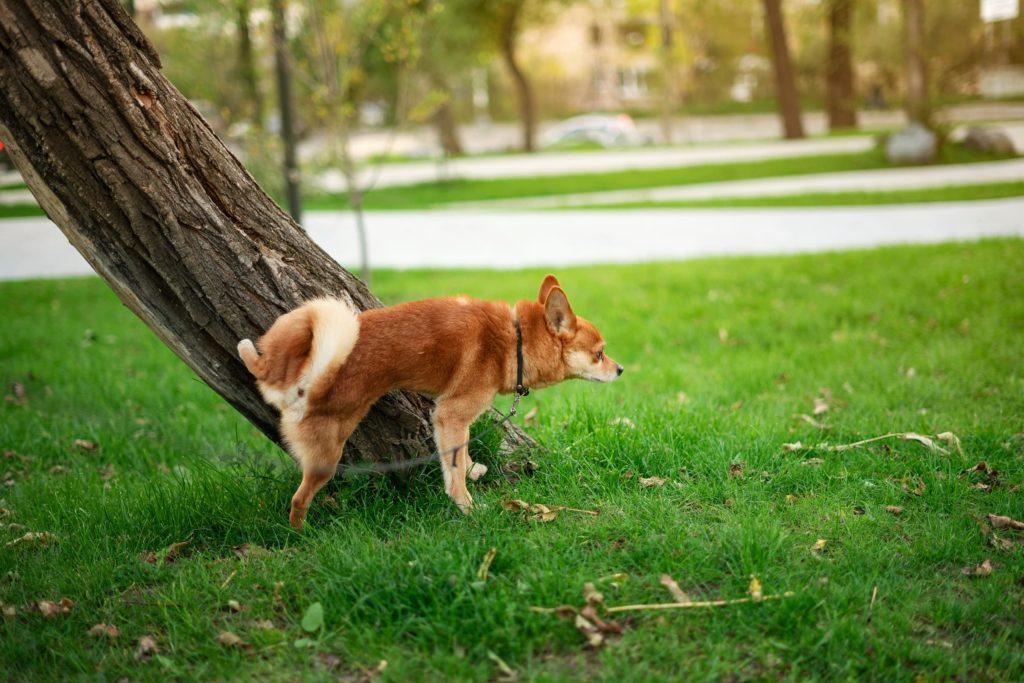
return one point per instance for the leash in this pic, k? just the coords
(521, 390)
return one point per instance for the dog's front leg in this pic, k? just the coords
(452, 418)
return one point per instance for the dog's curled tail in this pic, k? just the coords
(302, 348)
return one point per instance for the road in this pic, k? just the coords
(32, 248)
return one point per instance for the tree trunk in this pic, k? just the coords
(284, 98)
(785, 82)
(841, 103)
(247, 63)
(509, 32)
(142, 187)
(917, 76)
(668, 72)
(447, 130)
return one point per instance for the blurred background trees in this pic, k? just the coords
(496, 66)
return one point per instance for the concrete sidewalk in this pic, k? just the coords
(32, 248)
(879, 180)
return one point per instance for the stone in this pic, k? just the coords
(991, 140)
(913, 144)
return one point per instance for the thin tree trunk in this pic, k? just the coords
(668, 74)
(447, 129)
(284, 96)
(785, 82)
(841, 102)
(142, 187)
(917, 106)
(247, 63)
(509, 32)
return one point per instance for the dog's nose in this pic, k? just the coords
(618, 370)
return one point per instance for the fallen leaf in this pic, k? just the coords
(51, 609)
(145, 649)
(922, 439)
(625, 422)
(790, 499)
(108, 631)
(681, 397)
(1000, 543)
(723, 335)
(313, 619)
(263, 624)
(591, 595)
(813, 461)
(754, 589)
(506, 672)
(790, 447)
(951, 439)
(1003, 522)
(736, 470)
(8, 611)
(651, 482)
(531, 417)
(250, 550)
(811, 421)
(541, 512)
(38, 538)
(234, 606)
(819, 545)
(229, 639)
(485, 566)
(894, 509)
(84, 445)
(678, 594)
(330, 661)
(167, 555)
(820, 406)
(983, 569)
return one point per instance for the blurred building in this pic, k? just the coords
(594, 55)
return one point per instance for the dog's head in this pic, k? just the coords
(583, 353)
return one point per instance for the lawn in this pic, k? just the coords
(958, 193)
(922, 339)
(427, 195)
(441, 193)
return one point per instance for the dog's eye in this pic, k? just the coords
(598, 356)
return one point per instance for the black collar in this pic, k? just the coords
(520, 389)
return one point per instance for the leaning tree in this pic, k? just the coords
(143, 188)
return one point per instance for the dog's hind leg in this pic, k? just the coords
(317, 444)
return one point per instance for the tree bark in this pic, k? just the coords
(841, 102)
(247, 63)
(917, 106)
(785, 82)
(142, 187)
(282, 64)
(508, 33)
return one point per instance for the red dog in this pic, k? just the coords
(323, 366)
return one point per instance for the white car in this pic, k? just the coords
(606, 130)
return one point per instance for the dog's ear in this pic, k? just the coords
(545, 287)
(558, 312)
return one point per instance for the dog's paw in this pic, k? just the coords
(464, 503)
(476, 471)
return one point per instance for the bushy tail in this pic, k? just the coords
(302, 347)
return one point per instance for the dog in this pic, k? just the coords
(323, 366)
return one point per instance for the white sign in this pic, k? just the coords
(998, 10)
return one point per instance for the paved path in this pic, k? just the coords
(35, 248)
(556, 163)
(884, 179)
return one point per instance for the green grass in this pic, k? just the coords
(426, 195)
(394, 566)
(957, 193)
